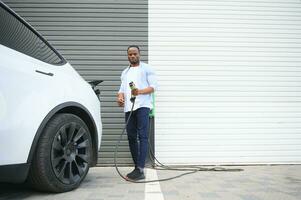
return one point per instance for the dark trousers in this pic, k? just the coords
(137, 128)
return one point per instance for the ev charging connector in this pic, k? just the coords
(133, 87)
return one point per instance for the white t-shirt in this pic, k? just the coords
(132, 76)
(143, 76)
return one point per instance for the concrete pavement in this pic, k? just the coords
(279, 182)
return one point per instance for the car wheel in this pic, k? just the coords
(63, 155)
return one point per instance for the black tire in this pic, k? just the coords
(63, 155)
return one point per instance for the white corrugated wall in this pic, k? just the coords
(230, 80)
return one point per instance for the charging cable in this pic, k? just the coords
(116, 151)
(190, 168)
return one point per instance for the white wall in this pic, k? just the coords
(230, 80)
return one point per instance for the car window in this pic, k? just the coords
(16, 35)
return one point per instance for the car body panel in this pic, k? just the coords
(26, 97)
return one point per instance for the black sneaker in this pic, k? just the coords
(131, 173)
(136, 175)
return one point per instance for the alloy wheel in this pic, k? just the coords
(70, 153)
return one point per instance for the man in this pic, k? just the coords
(145, 82)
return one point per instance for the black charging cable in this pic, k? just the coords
(190, 168)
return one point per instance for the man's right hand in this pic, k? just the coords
(120, 99)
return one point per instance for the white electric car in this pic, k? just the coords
(50, 122)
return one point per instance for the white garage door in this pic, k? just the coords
(230, 80)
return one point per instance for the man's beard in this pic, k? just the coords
(134, 62)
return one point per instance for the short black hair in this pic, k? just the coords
(135, 46)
